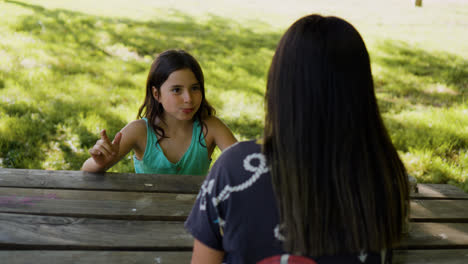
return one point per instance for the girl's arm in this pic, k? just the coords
(105, 153)
(220, 133)
(205, 255)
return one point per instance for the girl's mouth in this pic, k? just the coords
(188, 110)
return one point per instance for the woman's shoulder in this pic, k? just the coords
(240, 151)
(238, 164)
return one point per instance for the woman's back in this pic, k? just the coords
(238, 202)
(326, 175)
(340, 184)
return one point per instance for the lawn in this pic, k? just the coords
(70, 68)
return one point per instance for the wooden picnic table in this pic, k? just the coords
(78, 217)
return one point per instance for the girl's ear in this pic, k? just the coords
(155, 93)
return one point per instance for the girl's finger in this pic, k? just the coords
(104, 136)
(104, 147)
(94, 152)
(116, 141)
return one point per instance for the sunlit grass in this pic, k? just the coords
(71, 68)
(390, 19)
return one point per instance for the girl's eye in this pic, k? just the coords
(196, 87)
(175, 90)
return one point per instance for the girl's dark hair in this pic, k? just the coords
(340, 184)
(166, 63)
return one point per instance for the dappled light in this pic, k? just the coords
(80, 73)
(413, 76)
(65, 75)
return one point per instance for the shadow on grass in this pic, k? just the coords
(83, 46)
(23, 146)
(433, 85)
(248, 128)
(413, 76)
(438, 149)
(217, 38)
(108, 53)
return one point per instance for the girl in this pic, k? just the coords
(325, 183)
(177, 132)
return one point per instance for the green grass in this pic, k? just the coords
(71, 68)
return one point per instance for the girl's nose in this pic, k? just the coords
(188, 97)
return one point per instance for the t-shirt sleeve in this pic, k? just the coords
(205, 221)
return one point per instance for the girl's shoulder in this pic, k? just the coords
(135, 134)
(136, 126)
(217, 133)
(213, 125)
(135, 130)
(212, 121)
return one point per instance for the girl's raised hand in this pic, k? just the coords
(105, 152)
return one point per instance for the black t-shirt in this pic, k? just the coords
(236, 210)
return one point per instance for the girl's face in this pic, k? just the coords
(180, 95)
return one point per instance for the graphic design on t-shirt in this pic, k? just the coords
(207, 186)
(277, 233)
(259, 170)
(205, 189)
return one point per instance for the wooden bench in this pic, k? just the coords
(77, 217)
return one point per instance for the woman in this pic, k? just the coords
(326, 183)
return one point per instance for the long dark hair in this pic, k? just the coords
(340, 184)
(166, 63)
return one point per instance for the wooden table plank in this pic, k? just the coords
(439, 210)
(444, 256)
(437, 256)
(40, 232)
(47, 232)
(436, 235)
(78, 180)
(98, 204)
(164, 206)
(26, 178)
(94, 257)
(79, 217)
(439, 191)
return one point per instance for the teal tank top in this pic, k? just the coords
(195, 161)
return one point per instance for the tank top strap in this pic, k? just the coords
(197, 134)
(151, 138)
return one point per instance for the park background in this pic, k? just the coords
(71, 68)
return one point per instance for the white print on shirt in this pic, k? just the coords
(278, 234)
(258, 171)
(205, 189)
(363, 256)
